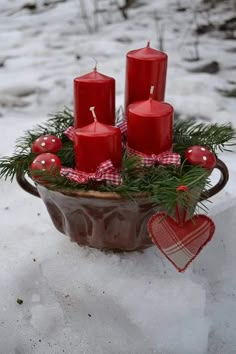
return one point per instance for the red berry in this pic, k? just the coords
(182, 188)
(46, 143)
(47, 162)
(199, 155)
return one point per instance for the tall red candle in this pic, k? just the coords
(150, 126)
(145, 67)
(94, 89)
(96, 143)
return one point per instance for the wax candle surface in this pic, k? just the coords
(94, 89)
(96, 143)
(150, 126)
(144, 68)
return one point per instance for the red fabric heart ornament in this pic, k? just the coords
(180, 243)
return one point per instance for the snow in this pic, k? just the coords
(81, 300)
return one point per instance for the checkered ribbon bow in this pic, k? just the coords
(165, 158)
(105, 172)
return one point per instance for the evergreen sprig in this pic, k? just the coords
(158, 182)
(213, 136)
(16, 164)
(55, 125)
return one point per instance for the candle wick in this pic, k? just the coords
(92, 109)
(148, 44)
(151, 92)
(95, 66)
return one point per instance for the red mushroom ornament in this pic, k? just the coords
(46, 162)
(199, 155)
(46, 143)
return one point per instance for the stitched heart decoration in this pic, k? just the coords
(180, 243)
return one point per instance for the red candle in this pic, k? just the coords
(144, 68)
(150, 126)
(96, 143)
(94, 89)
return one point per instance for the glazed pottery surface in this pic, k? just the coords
(100, 220)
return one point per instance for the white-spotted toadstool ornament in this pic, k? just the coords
(46, 143)
(46, 162)
(199, 155)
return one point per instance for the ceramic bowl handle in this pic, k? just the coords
(220, 184)
(26, 185)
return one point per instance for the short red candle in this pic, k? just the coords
(96, 143)
(150, 126)
(144, 68)
(94, 89)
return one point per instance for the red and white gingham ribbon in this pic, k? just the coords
(105, 172)
(165, 158)
(123, 127)
(69, 132)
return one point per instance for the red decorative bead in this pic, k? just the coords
(47, 162)
(182, 188)
(46, 143)
(199, 155)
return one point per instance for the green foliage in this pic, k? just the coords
(213, 136)
(55, 125)
(16, 164)
(159, 182)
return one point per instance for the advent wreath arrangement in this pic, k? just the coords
(128, 180)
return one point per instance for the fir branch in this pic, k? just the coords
(213, 136)
(55, 125)
(66, 154)
(165, 192)
(16, 164)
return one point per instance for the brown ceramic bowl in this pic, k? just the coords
(105, 220)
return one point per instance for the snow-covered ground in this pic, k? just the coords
(79, 300)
